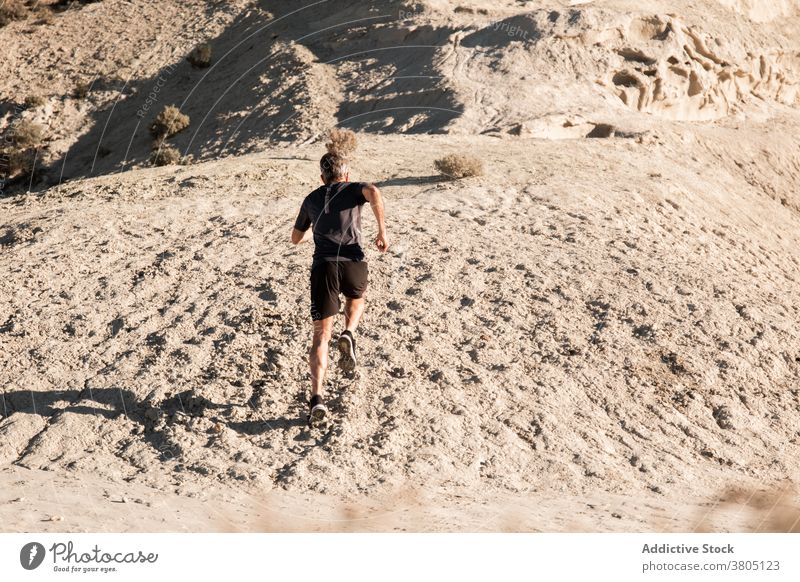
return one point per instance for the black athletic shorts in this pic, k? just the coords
(329, 279)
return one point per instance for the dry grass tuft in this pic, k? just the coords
(12, 10)
(26, 134)
(169, 122)
(459, 166)
(165, 155)
(16, 162)
(18, 154)
(342, 142)
(200, 57)
(44, 16)
(81, 90)
(470, 10)
(34, 101)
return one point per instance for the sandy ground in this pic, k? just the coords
(165, 341)
(40, 501)
(599, 334)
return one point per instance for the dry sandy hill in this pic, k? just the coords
(285, 73)
(605, 328)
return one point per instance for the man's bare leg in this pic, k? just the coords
(353, 310)
(318, 355)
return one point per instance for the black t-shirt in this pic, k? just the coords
(335, 213)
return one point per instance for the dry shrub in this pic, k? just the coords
(44, 16)
(200, 57)
(81, 90)
(469, 10)
(165, 155)
(33, 101)
(16, 162)
(169, 122)
(342, 142)
(26, 134)
(459, 166)
(19, 152)
(12, 10)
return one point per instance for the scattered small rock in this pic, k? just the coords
(723, 416)
(644, 332)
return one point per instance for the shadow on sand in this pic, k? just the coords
(256, 92)
(113, 403)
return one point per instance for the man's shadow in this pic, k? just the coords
(113, 403)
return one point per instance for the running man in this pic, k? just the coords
(332, 213)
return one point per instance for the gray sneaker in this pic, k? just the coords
(347, 351)
(318, 410)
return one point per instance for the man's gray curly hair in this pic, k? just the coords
(333, 167)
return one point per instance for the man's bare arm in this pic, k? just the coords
(299, 236)
(373, 196)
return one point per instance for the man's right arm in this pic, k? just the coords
(302, 227)
(299, 236)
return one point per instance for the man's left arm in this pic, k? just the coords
(373, 196)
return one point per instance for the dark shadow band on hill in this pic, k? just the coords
(273, 79)
(415, 180)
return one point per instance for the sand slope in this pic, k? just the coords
(596, 319)
(531, 337)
